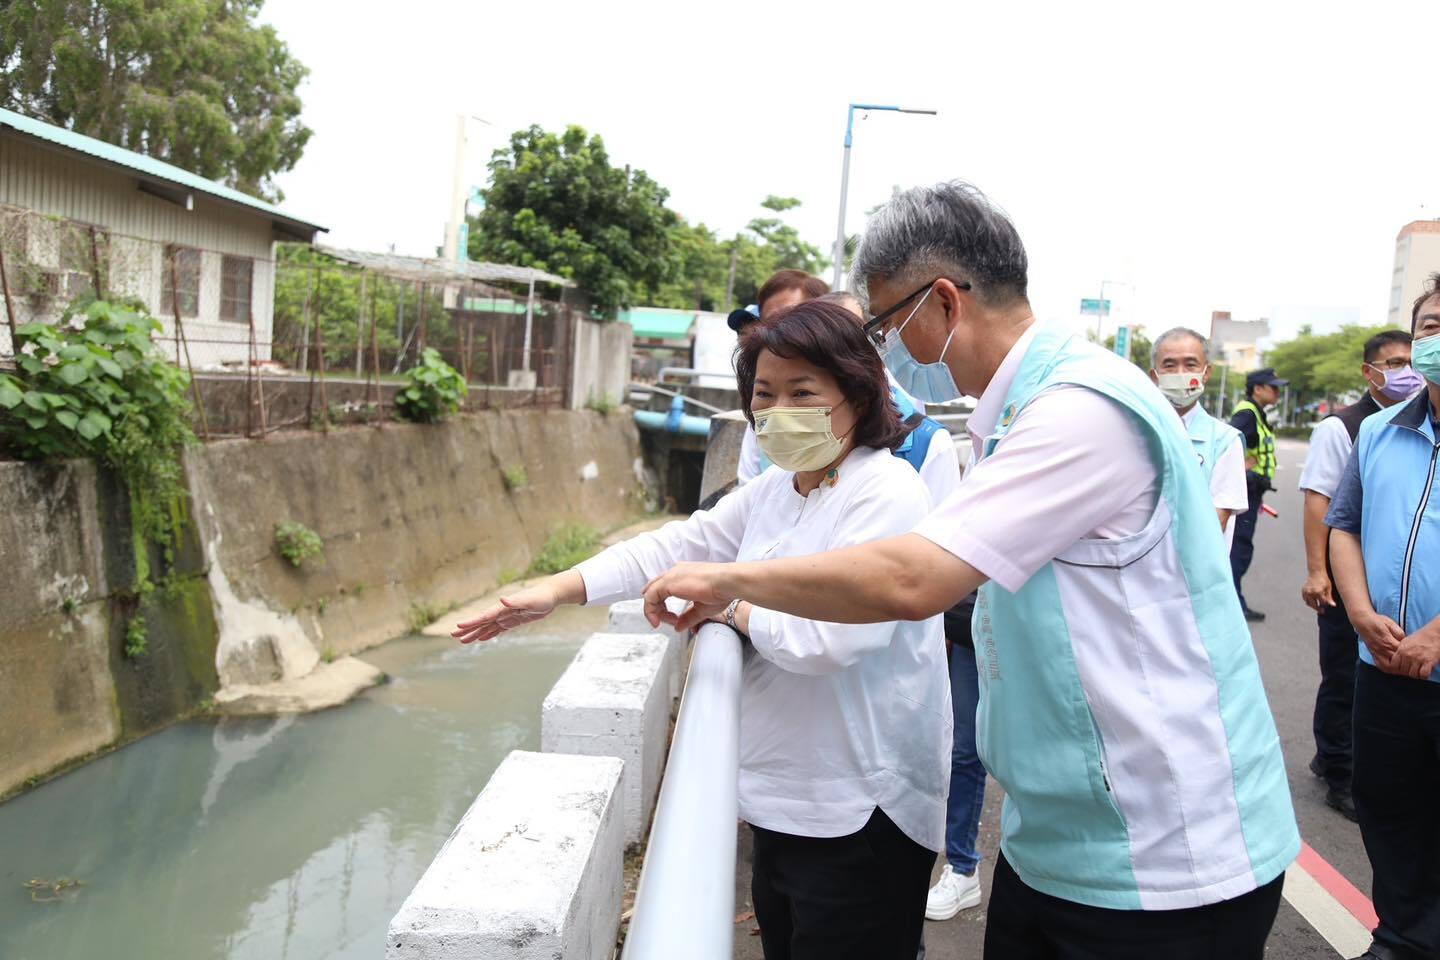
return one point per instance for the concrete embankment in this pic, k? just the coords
(412, 518)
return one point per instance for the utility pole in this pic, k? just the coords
(730, 284)
(839, 249)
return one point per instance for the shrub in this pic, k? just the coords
(423, 614)
(565, 548)
(137, 638)
(297, 542)
(433, 390)
(97, 385)
(602, 404)
(516, 478)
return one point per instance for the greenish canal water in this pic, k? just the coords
(295, 837)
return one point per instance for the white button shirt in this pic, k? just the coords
(835, 719)
(1227, 480)
(1074, 465)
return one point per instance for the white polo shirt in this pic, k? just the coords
(1330, 447)
(1227, 479)
(1074, 465)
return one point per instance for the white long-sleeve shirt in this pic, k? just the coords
(835, 719)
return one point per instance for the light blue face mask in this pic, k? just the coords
(1425, 357)
(931, 382)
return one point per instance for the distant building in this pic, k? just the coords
(1417, 256)
(74, 209)
(1235, 342)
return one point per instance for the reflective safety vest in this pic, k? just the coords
(1121, 704)
(1264, 454)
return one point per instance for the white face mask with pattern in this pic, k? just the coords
(1181, 389)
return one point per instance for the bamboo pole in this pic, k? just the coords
(9, 304)
(185, 344)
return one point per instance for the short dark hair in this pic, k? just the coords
(826, 336)
(948, 230)
(1383, 339)
(782, 280)
(1427, 293)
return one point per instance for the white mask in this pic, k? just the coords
(1181, 389)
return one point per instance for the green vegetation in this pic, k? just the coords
(509, 575)
(322, 605)
(136, 638)
(565, 548)
(515, 477)
(1322, 366)
(433, 390)
(327, 655)
(297, 542)
(601, 404)
(422, 614)
(555, 202)
(201, 85)
(97, 385)
(69, 605)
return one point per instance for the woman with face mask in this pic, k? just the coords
(845, 728)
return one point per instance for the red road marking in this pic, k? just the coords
(1338, 887)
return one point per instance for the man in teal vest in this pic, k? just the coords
(1147, 812)
(1180, 367)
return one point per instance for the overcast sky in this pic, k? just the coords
(1254, 157)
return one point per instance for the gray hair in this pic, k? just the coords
(952, 230)
(1177, 333)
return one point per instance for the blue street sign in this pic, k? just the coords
(1101, 307)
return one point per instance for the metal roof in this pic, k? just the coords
(435, 270)
(148, 168)
(659, 323)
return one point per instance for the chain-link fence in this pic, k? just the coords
(278, 336)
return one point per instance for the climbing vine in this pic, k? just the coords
(98, 385)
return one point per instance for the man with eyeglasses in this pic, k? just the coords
(1147, 811)
(1390, 380)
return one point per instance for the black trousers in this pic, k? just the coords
(860, 897)
(1242, 549)
(1397, 795)
(1335, 698)
(1024, 924)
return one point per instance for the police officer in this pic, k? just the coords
(1262, 389)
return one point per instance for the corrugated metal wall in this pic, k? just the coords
(56, 183)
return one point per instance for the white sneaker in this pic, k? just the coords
(952, 893)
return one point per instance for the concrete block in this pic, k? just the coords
(722, 453)
(614, 701)
(628, 616)
(533, 871)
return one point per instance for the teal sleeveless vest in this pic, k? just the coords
(1209, 437)
(1121, 706)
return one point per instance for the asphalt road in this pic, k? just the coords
(1286, 646)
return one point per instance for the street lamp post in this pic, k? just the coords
(839, 251)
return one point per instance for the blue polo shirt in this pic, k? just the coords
(1388, 499)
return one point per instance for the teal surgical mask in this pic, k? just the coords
(1425, 358)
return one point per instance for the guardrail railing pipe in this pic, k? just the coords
(685, 905)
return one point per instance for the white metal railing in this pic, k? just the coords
(685, 905)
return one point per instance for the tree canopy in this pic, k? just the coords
(1323, 365)
(196, 83)
(555, 202)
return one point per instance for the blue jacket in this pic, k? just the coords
(1387, 498)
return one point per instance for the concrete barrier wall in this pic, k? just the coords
(413, 518)
(614, 701)
(532, 872)
(611, 704)
(628, 616)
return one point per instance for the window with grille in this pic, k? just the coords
(182, 281)
(236, 279)
(79, 250)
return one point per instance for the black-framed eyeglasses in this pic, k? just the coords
(875, 326)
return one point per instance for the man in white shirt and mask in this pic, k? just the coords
(1180, 368)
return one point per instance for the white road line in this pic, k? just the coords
(1332, 921)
